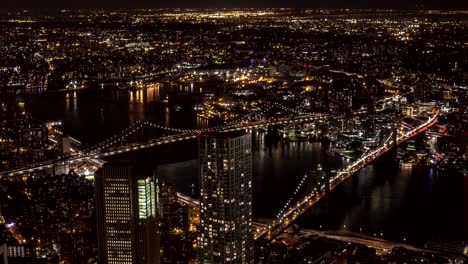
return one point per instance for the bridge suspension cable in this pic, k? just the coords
(116, 138)
(271, 105)
(296, 191)
(135, 127)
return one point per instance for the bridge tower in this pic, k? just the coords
(325, 167)
(395, 135)
(140, 134)
(395, 127)
(272, 134)
(272, 130)
(143, 132)
(327, 181)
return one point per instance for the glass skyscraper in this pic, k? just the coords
(225, 198)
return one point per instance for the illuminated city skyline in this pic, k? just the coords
(243, 135)
(411, 4)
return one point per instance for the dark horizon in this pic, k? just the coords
(333, 4)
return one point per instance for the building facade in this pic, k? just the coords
(127, 222)
(225, 198)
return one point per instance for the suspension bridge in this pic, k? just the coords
(289, 213)
(117, 144)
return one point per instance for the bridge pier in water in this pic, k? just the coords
(394, 151)
(272, 130)
(272, 134)
(142, 133)
(327, 182)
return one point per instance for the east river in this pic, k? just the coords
(413, 204)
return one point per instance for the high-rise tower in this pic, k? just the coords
(226, 198)
(126, 202)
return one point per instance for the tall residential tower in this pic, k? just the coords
(126, 202)
(225, 198)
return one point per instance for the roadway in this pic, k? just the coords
(187, 200)
(98, 154)
(346, 236)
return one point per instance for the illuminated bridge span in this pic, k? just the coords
(442, 129)
(282, 222)
(104, 149)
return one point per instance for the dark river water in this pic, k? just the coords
(416, 204)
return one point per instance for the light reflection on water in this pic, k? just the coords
(399, 202)
(382, 199)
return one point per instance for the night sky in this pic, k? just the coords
(406, 4)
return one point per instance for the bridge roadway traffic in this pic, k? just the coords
(284, 221)
(155, 142)
(384, 246)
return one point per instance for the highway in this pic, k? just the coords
(284, 221)
(346, 236)
(86, 156)
(187, 200)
